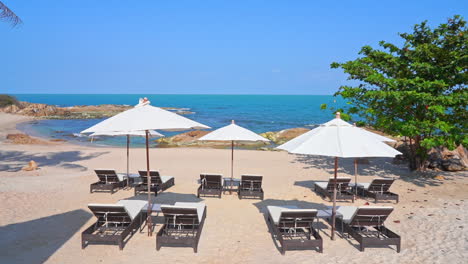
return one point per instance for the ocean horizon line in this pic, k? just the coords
(161, 94)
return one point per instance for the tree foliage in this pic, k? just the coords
(417, 90)
(6, 100)
(9, 16)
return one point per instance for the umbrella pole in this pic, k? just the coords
(334, 201)
(232, 164)
(128, 160)
(355, 176)
(148, 221)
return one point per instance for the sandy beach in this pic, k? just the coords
(44, 211)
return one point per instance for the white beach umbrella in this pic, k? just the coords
(141, 133)
(145, 117)
(340, 122)
(233, 133)
(338, 138)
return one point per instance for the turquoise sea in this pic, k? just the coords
(260, 113)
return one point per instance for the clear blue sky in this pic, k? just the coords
(220, 47)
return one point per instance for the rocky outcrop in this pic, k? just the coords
(184, 139)
(190, 139)
(73, 112)
(23, 139)
(280, 137)
(448, 160)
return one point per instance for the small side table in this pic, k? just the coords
(231, 184)
(132, 178)
(324, 214)
(155, 208)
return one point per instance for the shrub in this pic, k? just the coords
(6, 100)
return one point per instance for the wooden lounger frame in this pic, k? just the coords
(343, 191)
(156, 183)
(295, 231)
(108, 181)
(379, 190)
(251, 187)
(210, 185)
(181, 228)
(367, 228)
(113, 226)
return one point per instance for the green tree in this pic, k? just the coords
(9, 16)
(417, 90)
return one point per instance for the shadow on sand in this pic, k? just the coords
(13, 161)
(36, 240)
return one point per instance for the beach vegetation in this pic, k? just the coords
(417, 90)
(6, 100)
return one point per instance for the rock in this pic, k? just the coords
(280, 137)
(452, 164)
(58, 140)
(463, 155)
(32, 165)
(441, 158)
(190, 139)
(439, 177)
(73, 112)
(24, 139)
(184, 139)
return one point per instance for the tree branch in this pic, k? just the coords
(7, 15)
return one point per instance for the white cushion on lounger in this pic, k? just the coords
(321, 184)
(324, 184)
(110, 205)
(121, 176)
(133, 207)
(165, 179)
(347, 212)
(199, 206)
(275, 211)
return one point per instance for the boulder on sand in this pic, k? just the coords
(32, 165)
(442, 158)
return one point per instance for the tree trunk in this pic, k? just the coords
(417, 154)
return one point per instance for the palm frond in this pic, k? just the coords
(7, 15)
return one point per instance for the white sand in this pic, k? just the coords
(44, 212)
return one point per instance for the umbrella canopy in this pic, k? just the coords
(338, 138)
(140, 133)
(233, 133)
(144, 117)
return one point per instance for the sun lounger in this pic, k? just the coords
(343, 191)
(109, 180)
(378, 189)
(158, 182)
(210, 185)
(366, 225)
(293, 228)
(183, 224)
(251, 186)
(115, 222)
